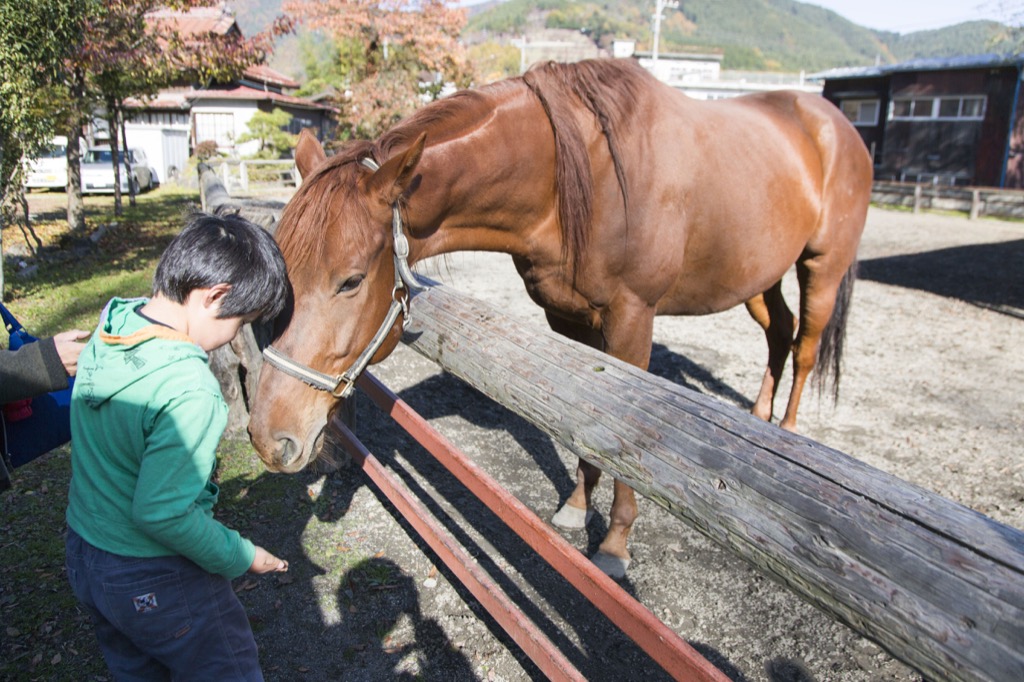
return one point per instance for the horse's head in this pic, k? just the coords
(336, 238)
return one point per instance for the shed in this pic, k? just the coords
(950, 121)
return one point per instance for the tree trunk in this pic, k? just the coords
(76, 206)
(26, 224)
(127, 157)
(115, 154)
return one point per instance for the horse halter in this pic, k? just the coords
(343, 385)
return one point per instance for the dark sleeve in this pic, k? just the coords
(33, 369)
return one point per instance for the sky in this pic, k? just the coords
(905, 16)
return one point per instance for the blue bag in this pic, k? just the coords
(28, 436)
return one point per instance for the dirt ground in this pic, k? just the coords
(930, 393)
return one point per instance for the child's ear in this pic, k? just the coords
(215, 294)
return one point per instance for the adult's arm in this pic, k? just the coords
(32, 370)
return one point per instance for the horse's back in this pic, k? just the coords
(739, 189)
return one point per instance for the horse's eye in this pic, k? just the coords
(350, 284)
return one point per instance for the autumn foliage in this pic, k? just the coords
(408, 50)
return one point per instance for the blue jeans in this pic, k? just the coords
(162, 618)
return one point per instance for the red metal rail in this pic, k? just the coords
(537, 646)
(670, 651)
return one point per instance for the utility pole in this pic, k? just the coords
(659, 7)
(521, 44)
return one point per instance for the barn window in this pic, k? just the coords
(861, 112)
(971, 107)
(917, 107)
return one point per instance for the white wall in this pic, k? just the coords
(241, 112)
(166, 148)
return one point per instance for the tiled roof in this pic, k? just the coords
(244, 92)
(199, 20)
(265, 74)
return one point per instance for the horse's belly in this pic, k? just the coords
(703, 302)
(705, 290)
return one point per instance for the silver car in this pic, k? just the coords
(98, 171)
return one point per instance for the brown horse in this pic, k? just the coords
(618, 197)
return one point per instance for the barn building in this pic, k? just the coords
(949, 121)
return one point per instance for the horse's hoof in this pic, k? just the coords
(572, 518)
(611, 565)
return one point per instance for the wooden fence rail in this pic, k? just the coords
(975, 201)
(941, 587)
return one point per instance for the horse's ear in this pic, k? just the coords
(309, 153)
(395, 176)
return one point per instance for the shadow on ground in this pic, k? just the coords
(985, 275)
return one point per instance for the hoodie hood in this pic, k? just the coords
(128, 347)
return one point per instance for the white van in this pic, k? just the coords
(49, 170)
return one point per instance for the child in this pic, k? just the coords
(144, 554)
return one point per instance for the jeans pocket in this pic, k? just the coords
(72, 574)
(152, 609)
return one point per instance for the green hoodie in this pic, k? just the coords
(146, 417)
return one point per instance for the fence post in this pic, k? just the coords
(917, 198)
(975, 203)
(243, 173)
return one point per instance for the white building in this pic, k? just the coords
(700, 75)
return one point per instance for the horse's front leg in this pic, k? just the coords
(577, 510)
(626, 333)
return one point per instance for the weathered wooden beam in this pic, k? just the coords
(940, 586)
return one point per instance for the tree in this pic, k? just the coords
(398, 42)
(35, 40)
(135, 47)
(268, 128)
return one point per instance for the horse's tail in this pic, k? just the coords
(830, 351)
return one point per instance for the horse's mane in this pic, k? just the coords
(445, 119)
(608, 88)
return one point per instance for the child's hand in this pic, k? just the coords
(265, 562)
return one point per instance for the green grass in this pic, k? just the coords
(76, 276)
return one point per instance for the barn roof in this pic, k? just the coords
(977, 61)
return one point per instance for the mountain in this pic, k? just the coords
(770, 35)
(765, 35)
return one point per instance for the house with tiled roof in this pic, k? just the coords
(170, 126)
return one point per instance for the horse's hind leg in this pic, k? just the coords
(819, 284)
(771, 312)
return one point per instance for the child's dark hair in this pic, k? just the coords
(214, 249)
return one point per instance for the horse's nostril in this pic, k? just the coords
(288, 451)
